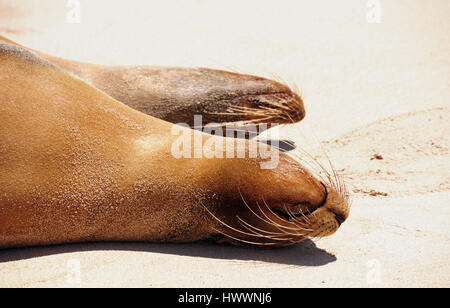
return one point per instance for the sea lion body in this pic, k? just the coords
(77, 165)
(174, 94)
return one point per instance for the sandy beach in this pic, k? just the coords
(375, 78)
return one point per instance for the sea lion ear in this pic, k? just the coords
(282, 145)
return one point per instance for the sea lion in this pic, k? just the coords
(77, 165)
(174, 94)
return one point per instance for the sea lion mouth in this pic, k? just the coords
(302, 210)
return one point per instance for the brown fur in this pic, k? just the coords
(76, 166)
(174, 94)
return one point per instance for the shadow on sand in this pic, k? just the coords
(303, 254)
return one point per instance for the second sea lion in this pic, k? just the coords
(175, 94)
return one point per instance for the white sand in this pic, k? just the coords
(369, 89)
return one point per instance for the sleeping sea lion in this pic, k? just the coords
(77, 165)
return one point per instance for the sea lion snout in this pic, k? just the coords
(281, 207)
(236, 99)
(259, 100)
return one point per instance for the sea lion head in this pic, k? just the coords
(280, 206)
(247, 102)
(248, 99)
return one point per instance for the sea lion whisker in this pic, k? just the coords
(309, 216)
(231, 112)
(259, 217)
(245, 108)
(270, 111)
(304, 224)
(337, 182)
(251, 228)
(258, 229)
(309, 164)
(275, 104)
(294, 217)
(277, 225)
(261, 111)
(334, 180)
(296, 155)
(297, 221)
(223, 126)
(245, 241)
(317, 163)
(292, 120)
(279, 79)
(301, 226)
(239, 122)
(246, 111)
(260, 119)
(234, 113)
(296, 89)
(246, 122)
(254, 233)
(281, 103)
